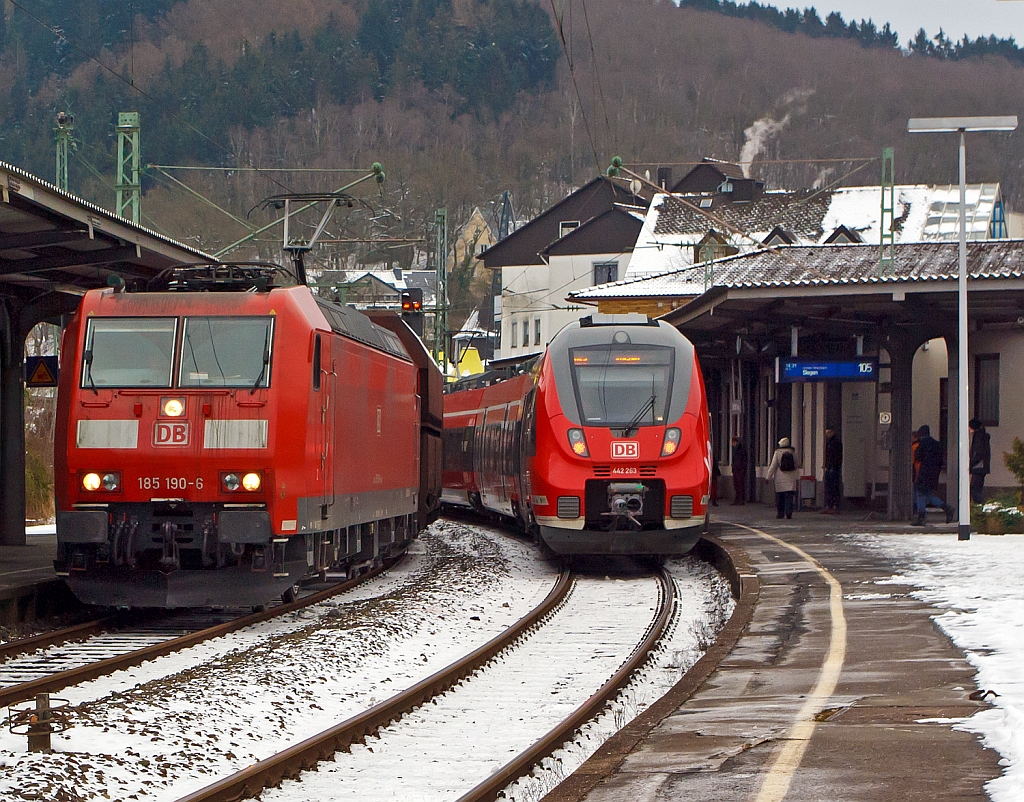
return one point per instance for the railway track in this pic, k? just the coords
(56, 660)
(466, 701)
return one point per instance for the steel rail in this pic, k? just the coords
(63, 679)
(305, 755)
(523, 763)
(86, 629)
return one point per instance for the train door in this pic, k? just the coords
(492, 485)
(510, 455)
(525, 451)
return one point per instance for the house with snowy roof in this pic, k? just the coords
(585, 239)
(685, 229)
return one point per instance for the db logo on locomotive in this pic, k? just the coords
(170, 434)
(625, 449)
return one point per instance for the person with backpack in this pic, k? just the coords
(782, 471)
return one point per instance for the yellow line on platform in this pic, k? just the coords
(790, 755)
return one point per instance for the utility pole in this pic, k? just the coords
(441, 295)
(887, 254)
(129, 186)
(63, 131)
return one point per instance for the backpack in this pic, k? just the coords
(787, 462)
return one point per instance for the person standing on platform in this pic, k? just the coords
(783, 472)
(739, 471)
(981, 460)
(930, 460)
(833, 471)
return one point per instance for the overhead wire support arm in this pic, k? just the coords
(376, 173)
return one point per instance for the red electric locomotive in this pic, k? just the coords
(601, 448)
(222, 438)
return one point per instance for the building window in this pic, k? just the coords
(515, 333)
(480, 248)
(536, 331)
(526, 333)
(605, 272)
(566, 226)
(986, 389)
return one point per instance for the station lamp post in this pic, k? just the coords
(961, 125)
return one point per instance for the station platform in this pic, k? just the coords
(29, 588)
(788, 713)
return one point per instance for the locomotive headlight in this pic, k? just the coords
(578, 443)
(230, 482)
(91, 481)
(172, 407)
(671, 444)
(252, 482)
(111, 482)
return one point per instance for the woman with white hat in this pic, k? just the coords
(783, 472)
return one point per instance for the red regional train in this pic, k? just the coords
(600, 447)
(224, 437)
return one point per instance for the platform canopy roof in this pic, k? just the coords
(837, 290)
(54, 242)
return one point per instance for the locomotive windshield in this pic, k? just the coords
(622, 386)
(226, 352)
(128, 352)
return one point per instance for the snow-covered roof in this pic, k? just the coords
(821, 265)
(676, 223)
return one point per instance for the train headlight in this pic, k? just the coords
(578, 443)
(230, 481)
(172, 407)
(252, 482)
(671, 444)
(110, 482)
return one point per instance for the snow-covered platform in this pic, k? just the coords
(854, 678)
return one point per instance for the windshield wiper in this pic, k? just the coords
(88, 370)
(266, 361)
(647, 407)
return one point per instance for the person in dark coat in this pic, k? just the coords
(739, 471)
(931, 461)
(833, 471)
(981, 460)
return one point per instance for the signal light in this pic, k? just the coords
(412, 301)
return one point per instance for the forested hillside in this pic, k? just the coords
(462, 99)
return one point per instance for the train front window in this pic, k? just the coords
(226, 352)
(128, 352)
(622, 385)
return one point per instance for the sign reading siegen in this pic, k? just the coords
(806, 370)
(625, 449)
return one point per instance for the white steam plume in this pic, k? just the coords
(764, 129)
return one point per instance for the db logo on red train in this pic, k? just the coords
(625, 449)
(171, 434)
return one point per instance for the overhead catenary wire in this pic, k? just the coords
(572, 74)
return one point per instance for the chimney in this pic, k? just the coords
(665, 178)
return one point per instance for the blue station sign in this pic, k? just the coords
(820, 370)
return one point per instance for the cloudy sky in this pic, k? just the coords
(955, 17)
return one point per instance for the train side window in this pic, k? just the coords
(316, 363)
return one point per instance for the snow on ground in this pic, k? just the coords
(704, 606)
(977, 586)
(166, 728)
